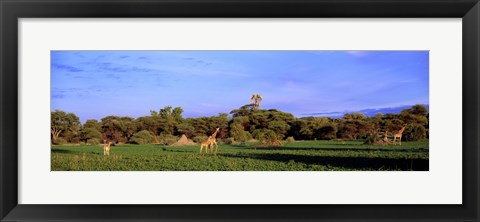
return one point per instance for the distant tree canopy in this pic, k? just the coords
(244, 123)
(65, 125)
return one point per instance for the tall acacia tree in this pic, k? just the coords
(62, 121)
(256, 99)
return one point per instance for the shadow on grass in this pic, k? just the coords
(405, 150)
(56, 150)
(354, 163)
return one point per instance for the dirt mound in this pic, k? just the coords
(183, 141)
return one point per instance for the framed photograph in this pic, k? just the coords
(224, 110)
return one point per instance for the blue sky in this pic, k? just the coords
(95, 84)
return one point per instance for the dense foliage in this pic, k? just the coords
(243, 124)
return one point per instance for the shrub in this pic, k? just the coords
(371, 138)
(75, 139)
(229, 140)
(199, 139)
(266, 137)
(328, 132)
(290, 139)
(416, 132)
(90, 133)
(93, 141)
(167, 139)
(142, 137)
(238, 133)
(59, 141)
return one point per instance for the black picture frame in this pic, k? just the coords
(11, 11)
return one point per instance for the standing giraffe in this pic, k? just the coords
(106, 147)
(213, 140)
(398, 134)
(385, 138)
(205, 144)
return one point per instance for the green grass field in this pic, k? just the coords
(296, 156)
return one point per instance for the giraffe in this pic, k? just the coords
(106, 147)
(398, 134)
(205, 144)
(213, 141)
(385, 138)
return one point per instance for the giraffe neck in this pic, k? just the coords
(214, 134)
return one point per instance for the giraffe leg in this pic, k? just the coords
(400, 140)
(216, 147)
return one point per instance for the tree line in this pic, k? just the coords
(243, 124)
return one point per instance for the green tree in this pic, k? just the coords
(171, 118)
(266, 137)
(93, 123)
(322, 128)
(245, 110)
(118, 129)
(64, 123)
(238, 133)
(128, 127)
(153, 124)
(355, 127)
(419, 110)
(200, 125)
(142, 137)
(87, 134)
(220, 121)
(415, 132)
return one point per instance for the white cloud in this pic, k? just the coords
(357, 54)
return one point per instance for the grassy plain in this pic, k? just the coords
(295, 156)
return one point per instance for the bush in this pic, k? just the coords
(266, 137)
(93, 141)
(75, 139)
(325, 133)
(142, 137)
(416, 132)
(238, 133)
(371, 138)
(90, 133)
(59, 141)
(167, 139)
(290, 139)
(228, 140)
(199, 139)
